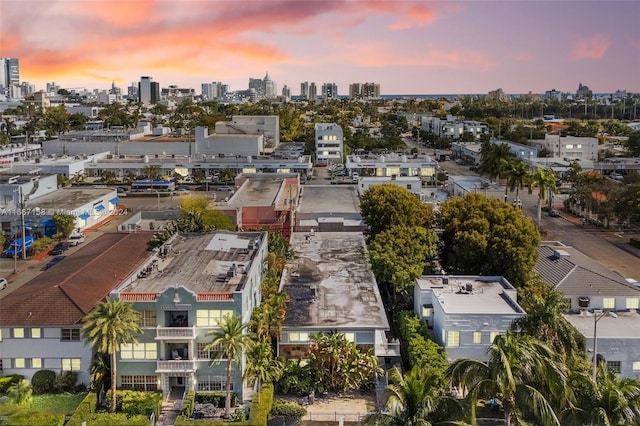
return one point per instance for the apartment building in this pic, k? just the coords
(329, 143)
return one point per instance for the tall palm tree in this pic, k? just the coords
(494, 159)
(414, 400)
(522, 372)
(262, 366)
(544, 180)
(517, 176)
(230, 340)
(109, 325)
(616, 400)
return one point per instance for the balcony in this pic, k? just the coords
(385, 347)
(175, 333)
(176, 366)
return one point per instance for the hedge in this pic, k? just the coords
(216, 398)
(116, 419)
(635, 242)
(86, 408)
(31, 418)
(189, 403)
(258, 414)
(287, 409)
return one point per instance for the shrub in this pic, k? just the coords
(40, 245)
(84, 410)
(43, 381)
(116, 419)
(238, 415)
(189, 403)
(141, 403)
(7, 381)
(216, 398)
(31, 418)
(281, 408)
(635, 242)
(65, 381)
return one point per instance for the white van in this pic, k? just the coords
(75, 239)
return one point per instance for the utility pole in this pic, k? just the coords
(22, 212)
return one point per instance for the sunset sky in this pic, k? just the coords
(409, 47)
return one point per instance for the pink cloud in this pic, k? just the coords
(593, 47)
(523, 57)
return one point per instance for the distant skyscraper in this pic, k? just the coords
(286, 92)
(132, 91)
(583, 92)
(313, 92)
(329, 91)
(364, 91)
(304, 90)
(265, 88)
(9, 74)
(148, 91)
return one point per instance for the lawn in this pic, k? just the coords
(63, 403)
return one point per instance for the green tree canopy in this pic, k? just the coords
(633, 144)
(399, 255)
(384, 206)
(488, 237)
(198, 217)
(65, 224)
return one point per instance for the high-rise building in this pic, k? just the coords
(329, 91)
(364, 91)
(265, 88)
(313, 92)
(286, 92)
(214, 90)
(9, 75)
(304, 90)
(148, 91)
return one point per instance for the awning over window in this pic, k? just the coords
(84, 216)
(115, 200)
(48, 222)
(100, 208)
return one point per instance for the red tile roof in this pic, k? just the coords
(66, 293)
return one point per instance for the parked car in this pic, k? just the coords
(53, 262)
(59, 248)
(3, 283)
(225, 188)
(76, 239)
(554, 213)
(616, 176)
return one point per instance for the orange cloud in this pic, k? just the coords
(593, 47)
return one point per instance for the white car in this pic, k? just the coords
(3, 283)
(76, 239)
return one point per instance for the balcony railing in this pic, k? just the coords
(176, 366)
(163, 333)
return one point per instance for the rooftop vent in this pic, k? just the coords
(561, 254)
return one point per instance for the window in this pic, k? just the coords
(18, 363)
(0, 335)
(614, 366)
(140, 383)
(636, 366)
(211, 317)
(139, 351)
(492, 336)
(477, 337)
(70, 364)
(298, 337)
(70, 334)
(36, 362)
(633, 303)
(210, 354)
(453, 338)
(609, 303)
(36, 333)
(350, 337)
(18, 333)
(212, 383)
(147, 319)
(426, 312)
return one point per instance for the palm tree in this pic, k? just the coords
(616, 400)
(262, 366)
(494, 159)
(20, 393)
(517, 176)
(414, 400)
(100, 375)
(109, 325)
(229, 342)
(152, 172)
(544, 180)
(522, 372)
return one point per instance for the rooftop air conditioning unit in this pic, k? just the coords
(583, 302)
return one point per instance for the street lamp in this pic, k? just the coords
(158, 194)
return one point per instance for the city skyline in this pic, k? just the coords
(408, 47)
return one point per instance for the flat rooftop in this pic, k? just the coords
(330, 284)
(262, 190)
(70, 198)
(471, 183)
(329, 199)
(625, 326)
(202, 263)
(471, 295)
